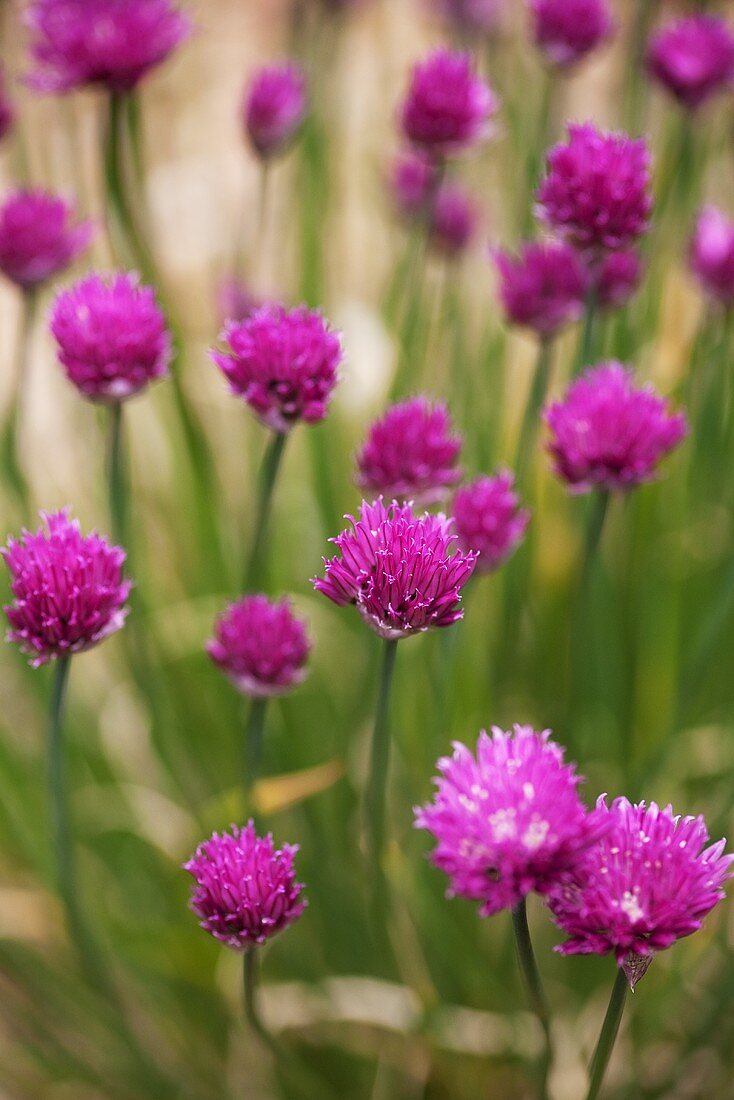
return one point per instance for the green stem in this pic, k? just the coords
(120, 212)
(253, 746)
(13, 472)
(116, 475)
(533, 989)
(268, 476)
(585, 345)
(375, 796)
(599, 508)
(60, 827)
(536, 398)
(608, 1034)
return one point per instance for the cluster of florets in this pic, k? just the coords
(39, 237)
(693, 58)
(261, 646)
(565, 31)
(448, 108)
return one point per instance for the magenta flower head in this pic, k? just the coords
(509, 821)
(111, 335)
(401, 571)
(712, 254)
(565, 31)
(453, 219)
(608, 434)
(410, 453)
(543, 288)
(68, 590)
(283, 363)
(693, 58)
(596, 193)
(7, 113)
(448, 107)
(470, 16)
(488, 518)
(261, 646)
(649, 881)
(274, 108)
(110, 42)
(245, 888)
(38, 237)
(413, 179)
(618, 278)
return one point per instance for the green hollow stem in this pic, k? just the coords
(594, 530)
(11, 464)
(268, 476)
(120, 213)
(608, 1035)
(254, 731)
(376, 793)
(536, 398)
(116, 475)
(534, 990)
(586, 342)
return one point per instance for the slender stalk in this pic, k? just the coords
(599, 509)
(116, 475)
(253, 746)
(252, 1015)
(375, 795)
(536, 398)
(534, 990)
(120, 212)
(268, 476)
(608, 1034)
(261, 232)
(13, 472)
(586, 343)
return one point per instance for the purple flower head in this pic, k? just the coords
(448, 107)
(261, 646)
(693, 58)
(413, 179)
(607, 434)
(38, 237)
(712, 254)
(453, 219)
(488, 518)
(649, 881)
(7, 113)
(274, 108)
(509, 821)
(283, 363)
(236, 300)
(245, 888)
(565, 31)
(470, 16)
(112, 337)
(597, 190)
(68, 591)
(618, 278)
(410, 453)
(402, 571)
(544, 287)
(109, 42)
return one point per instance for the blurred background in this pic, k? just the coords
(642, 698)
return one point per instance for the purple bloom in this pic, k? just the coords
(712, 254)
(470, 16)
(693, 58)
(112, 337)
(618, 278)
(544, 287)
(401, 571)
(597, 190)
(648, 882)
(413, 179)
(567, 30)
(609, 435)
(410, 453)
(283, 363)
(236, 300)
(109, 42)
(508, 822)
(246, 890)
(448, 107)
(68, 590)
(274, 108)
(453, 219)
(7, 113)
(261, 646)
(488, 518)
(38, 237)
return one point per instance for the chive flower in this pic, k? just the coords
(618, 278)
(543, 288)
(565, 31)
(488, 519)
(712, 254)
(39, 237)
(274, 108)
(693, 58)
(448, 108)
(261, 646)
